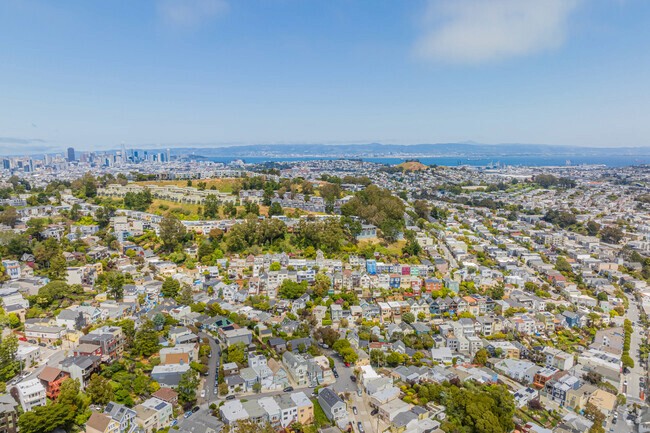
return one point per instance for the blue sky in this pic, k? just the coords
(93, 74)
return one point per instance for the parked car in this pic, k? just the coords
(288, 389)
(336, 375)
(42, 344)
(360, 427)
(374, 412)
(353, 378)
(195, 409)
(203, 393)
(230, 397)
(354, 409)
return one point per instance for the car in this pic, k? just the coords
(174, 423)
(288, 389)
(230, 397)
(374, 412)
(215, 390)
(360, 427)
(25, 374)
(336, 375)
(354, 409)
(614, 420)
(359, 393)
(195, 409)
(203, 393)
(42, 344)
(353, 378)
(32, 341)
(187, 414)
(347, 364)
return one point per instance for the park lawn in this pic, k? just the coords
(222, 184)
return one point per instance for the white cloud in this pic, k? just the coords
(189, 14)
(477, 31)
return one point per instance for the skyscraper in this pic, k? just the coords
(70, 154)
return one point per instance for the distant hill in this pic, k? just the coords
(412, 166)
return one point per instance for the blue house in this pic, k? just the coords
(395, 281)
(371, 267)
(572, 319)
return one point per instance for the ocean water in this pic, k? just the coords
(534, 161)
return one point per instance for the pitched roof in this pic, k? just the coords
(49, 374)
(165, 394)
(98, 421)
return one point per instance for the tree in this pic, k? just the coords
(115, 283)
(377, 357)
(159, 321)
(8, 363)
(408, 318)
(379, 207)
(330, 192)
(146, 339)
(593, 228)
(597, 417)
(481, 357)
(172, 232)
(128, 328)
(275, 209)
(187, 386)
(58, 269)
(186, 296)
(170, 288)
(257, 387)
(394, 359)
(292, 290)
(421, 208)
(349, 355)
(9, 216)
(45, 419)
(326, 335)
(211, 206)
(611, 234)
(99, 390)
(412, 247)
(236, 353)
(275, 266)
(322, 285)
(563, 265)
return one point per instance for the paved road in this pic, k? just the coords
(213, 369)
(53, 360)
(633, 389)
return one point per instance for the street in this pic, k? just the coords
(633, 389)
(213, 369)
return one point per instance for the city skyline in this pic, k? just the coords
(216, 72)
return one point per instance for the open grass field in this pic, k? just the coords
(222, 184)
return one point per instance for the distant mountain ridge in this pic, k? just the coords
(414, 150)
